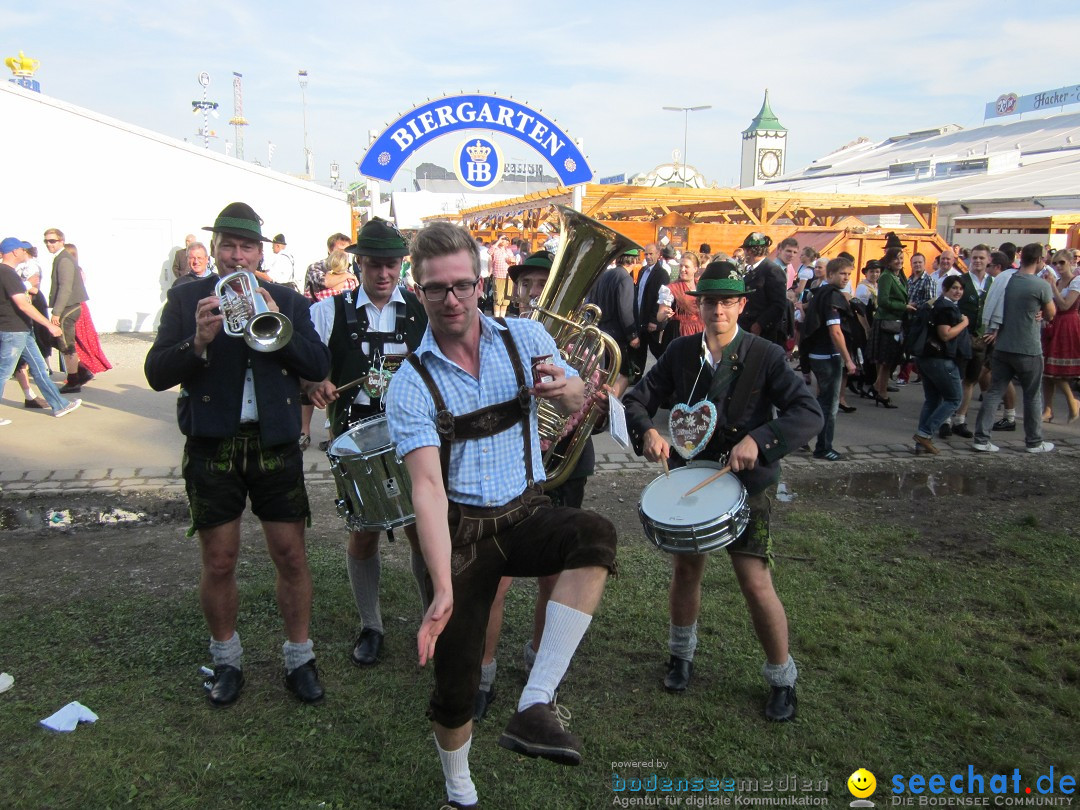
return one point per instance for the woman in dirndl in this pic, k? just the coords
(884, 347)
(1061, 338)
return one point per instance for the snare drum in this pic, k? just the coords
(373, 485)
(710, 519)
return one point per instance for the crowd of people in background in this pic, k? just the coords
(32, 326)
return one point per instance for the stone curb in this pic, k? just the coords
(17, 484)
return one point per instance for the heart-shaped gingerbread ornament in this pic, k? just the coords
(691, 427)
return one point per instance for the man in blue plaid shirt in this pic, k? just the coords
(462, 415)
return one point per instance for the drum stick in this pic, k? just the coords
(707, 481)
(352, 384)
(663, 462)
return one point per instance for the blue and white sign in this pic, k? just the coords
(615, 179)
(490, 114)
(1012, 104)
(478, 163)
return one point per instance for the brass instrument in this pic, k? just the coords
(247, 315)
(586, 248)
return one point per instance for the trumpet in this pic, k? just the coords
(247, 315)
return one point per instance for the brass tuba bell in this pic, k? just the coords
(247, 315)
(586, 248)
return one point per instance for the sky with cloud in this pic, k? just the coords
(835, 70)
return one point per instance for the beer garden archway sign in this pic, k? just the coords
(478, 160)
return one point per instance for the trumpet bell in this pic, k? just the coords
(247, 316)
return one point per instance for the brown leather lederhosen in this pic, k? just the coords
(476, 521)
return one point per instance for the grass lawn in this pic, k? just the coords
(917, 654)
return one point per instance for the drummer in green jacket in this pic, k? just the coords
(761, 410)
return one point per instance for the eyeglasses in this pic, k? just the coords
(726, 303)
(52, 241)
(1061, 263)
(436, 293)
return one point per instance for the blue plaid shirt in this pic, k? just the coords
(483, 472)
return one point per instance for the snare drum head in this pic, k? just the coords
(663, 502)
(364, 439)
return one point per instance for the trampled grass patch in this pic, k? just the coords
(919, 652)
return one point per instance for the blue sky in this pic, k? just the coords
(835, 70)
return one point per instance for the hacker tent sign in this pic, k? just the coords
(490, 114)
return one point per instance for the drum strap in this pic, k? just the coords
(744, 386)
(484, 422)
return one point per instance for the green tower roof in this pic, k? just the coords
(765, 119)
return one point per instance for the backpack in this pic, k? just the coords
(917, 330)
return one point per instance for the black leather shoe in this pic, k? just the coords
(484, 699)
(945, 431)
(304, 683)
(70, 388)
(85, 375)
(962, 430)
(227, 683)
(780, 707)
(367, 649)
(678, 675)
(1000, 424)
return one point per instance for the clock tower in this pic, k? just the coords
(764, 148)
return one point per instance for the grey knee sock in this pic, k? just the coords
(364, 578)
(419, 572)
(781, 674)
(227, 652)
(297, 654)
(682, 641)
(487, 675)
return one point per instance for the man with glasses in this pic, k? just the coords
(462, 414)
(726, 365)
(240, 411)
(67, 294)
(368, 331)
(17, 316)
(198, 264)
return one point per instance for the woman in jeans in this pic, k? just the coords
(942, 388)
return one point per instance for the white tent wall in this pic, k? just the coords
(127, 197)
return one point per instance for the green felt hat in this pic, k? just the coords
(540, 260)
(238, 219)
(379, 239)
(721, 279)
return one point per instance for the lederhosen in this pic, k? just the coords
(349, 361)
(483, 541)
(475, 521)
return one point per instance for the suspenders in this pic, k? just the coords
(487, 421)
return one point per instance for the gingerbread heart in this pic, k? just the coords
(691, 427)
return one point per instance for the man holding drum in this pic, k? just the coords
(240, 411)
(740, 379)
(368, 331)
(463, 416)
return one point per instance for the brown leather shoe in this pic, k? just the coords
(538, 731)
(926, 444)
(36, 402)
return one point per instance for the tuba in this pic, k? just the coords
(586, 248)
(247, 316)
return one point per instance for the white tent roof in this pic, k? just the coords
(1035, 158)
(409, 207)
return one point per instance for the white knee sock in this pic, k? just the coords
(227, 652)
(455, 768)
(487, 675)
(297, 653)
(364, 578)
(564, 628)
(781, 674)
(682, 641)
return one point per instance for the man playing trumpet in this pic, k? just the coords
(240, 411)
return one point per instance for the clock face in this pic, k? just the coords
(768, 162)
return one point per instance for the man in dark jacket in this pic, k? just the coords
(240, 411)
(614, 294)
(66, 297)
(766, 291)
(711, 367)
(647, 302)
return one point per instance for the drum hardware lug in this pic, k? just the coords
(390, 535)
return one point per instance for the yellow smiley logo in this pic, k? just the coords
(861, 783)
